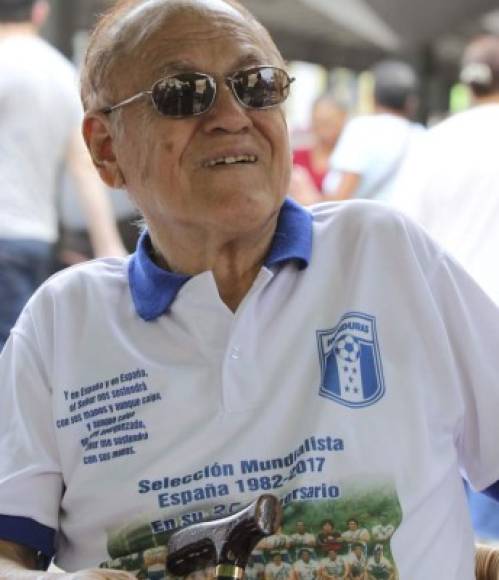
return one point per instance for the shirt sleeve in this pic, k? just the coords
(30, 475)
(471, 321)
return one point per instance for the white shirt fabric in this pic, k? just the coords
(305, 570)
(129, 410)
(382, 532)
(283, 571)
(303, 540)
(374, 147)
(358, 535)
(358, 564)
(275, 542)
(450, 184)
(40, 109)
(333, 568)
(254, 571)
(379, 569)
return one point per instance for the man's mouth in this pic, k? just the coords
(231, 160)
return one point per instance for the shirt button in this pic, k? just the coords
(236, 352)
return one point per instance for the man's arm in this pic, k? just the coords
(347, 569)
(15, 559)
(94, 200)
(20, 563)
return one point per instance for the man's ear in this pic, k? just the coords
(97, 134)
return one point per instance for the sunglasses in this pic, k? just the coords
(193, 93)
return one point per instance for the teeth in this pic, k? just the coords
(231, 160)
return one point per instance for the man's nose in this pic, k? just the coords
(227, 113)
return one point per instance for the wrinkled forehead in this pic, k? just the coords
(129, 43)
(170, 27)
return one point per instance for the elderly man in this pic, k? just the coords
(334, 357)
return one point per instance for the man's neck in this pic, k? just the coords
(8, 29)
(487, 100)
(380, 109)
(235, 262)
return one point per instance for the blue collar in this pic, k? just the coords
(154, 289)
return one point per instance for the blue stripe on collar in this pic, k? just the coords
(29, 533)
(154, 289)
(293, 236)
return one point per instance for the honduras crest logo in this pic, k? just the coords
(351, 372)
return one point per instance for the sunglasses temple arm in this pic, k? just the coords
(128, 101)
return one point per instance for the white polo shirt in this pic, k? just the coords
(360, 370)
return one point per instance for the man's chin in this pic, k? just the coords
(243, 208)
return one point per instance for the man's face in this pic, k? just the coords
(168, 163)
(300, 527)
(327, 528)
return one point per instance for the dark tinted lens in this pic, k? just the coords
(261, 86)
(183, 95)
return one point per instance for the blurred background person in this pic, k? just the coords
(371, 148)
(451, 183)
(451, 186)
(310, 163)
(40, 117)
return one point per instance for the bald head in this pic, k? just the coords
(118, 37)
(480, 70)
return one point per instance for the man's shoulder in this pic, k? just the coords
(99, 275)
(365, 124)
(61, 68)
(47, 50)
(34, 47)
(455, 144)
(362, 121)
(32, 63)
(97, 289)
(473, 120)
(367, 215)
(356, 131)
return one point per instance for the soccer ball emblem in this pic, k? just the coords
(347, 348)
